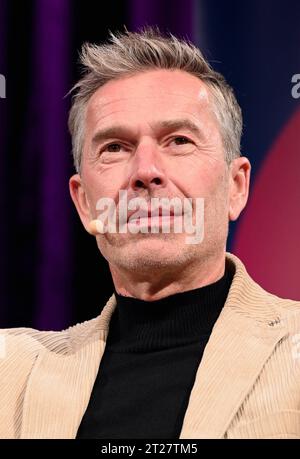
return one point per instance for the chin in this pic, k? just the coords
(145, 250)
(145, 254)
(145, 261)
(157, 249)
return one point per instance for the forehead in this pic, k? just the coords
(152, 94)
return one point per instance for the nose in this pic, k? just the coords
(148, 172)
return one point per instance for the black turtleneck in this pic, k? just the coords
(150, 361)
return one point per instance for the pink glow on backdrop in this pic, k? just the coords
(268, 236)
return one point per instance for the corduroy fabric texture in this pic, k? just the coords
(247, 385)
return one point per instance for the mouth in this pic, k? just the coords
(156, 215)
(154, 220)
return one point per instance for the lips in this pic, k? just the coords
(148, 213)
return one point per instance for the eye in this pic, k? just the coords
(112, 148)
(180, 140)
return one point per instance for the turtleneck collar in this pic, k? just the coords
(179, 319)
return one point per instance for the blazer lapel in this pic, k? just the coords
(58, 392)
(59, 385)
(233, 359)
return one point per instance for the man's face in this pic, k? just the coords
(154, 134)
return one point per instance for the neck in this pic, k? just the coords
(151, 285)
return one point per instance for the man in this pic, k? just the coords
(188, 346)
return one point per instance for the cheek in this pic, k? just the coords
(204, 182)
(219, 201)
(101, 184)
(214, 189)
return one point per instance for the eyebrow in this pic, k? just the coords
(167, 125)
(176, 125)
(108, 133)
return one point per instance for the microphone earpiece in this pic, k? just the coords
(96, 227)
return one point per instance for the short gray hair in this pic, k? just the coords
(129, 53)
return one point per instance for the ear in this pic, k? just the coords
(240, 169)
(80, 199)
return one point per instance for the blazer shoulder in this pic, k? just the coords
(290, 313)
(29, 341)
(26, 341)
(253, 300)
(285, 309)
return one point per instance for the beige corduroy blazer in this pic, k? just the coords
(247, 384)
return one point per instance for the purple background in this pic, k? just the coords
(51, 275)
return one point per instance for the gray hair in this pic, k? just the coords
(128, 53)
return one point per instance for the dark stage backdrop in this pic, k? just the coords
(51, 273)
